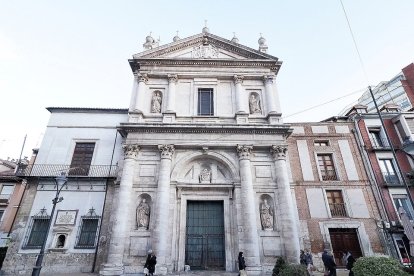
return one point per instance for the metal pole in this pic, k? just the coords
(39, 260)
(392, 149)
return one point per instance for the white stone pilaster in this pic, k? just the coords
(172, 82)
(288, 221)
(271, 104)
(140, 92)
(249, 209)
(133, 93)
(121, 214)
(240, 101)
(161, 228)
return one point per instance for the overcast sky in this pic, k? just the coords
(74, 53)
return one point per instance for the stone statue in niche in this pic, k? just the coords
(254, 104)
(143, 214)
(205, 176)
(156, 102)
(266, 216)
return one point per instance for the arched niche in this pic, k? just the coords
(156, 101)
(143, 211)
(204, 168)
(267, 212)
(255, 103)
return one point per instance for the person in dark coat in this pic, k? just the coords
(350, 260)
(329, 263)
(302, 258)
(150, 263)
(242, 264)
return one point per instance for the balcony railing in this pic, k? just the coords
(380, 143)
(338, 209)
(391, 179)
(46, 170)
(328, 175)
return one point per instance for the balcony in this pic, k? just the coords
(46, 170)
(328, 175)
(391, 180)
(337, 209)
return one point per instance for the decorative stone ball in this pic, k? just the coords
(206, 30)
(235, 39)
(262, 41)
(176, 38)
(149, 39)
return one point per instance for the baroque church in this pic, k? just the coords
(196, 170)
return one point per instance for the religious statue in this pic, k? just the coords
(156, 103)
(205, 176)
(266, 216)
(143, 214)
(254, 104)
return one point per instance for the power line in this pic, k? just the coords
(324, 103)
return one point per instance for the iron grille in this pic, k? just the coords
(37, 232)
(46, 170)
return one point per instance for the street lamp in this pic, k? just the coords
(60, 183)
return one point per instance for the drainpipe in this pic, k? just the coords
(104, 203)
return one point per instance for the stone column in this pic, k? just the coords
(249, 209)
(162, 211)
(172, 81)
(240, 100)
(288, 222)
(271, 104)
(121, 214)
(134, 93)
(140, 94)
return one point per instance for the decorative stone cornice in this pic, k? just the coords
(279, 152)
(268, 79)
(130, 151)
(172, 78)
(238, 79)
(141, 77)
(167, 151)
(244, 151)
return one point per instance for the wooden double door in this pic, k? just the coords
(342, 240)
(205, 248)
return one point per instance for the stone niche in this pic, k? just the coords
(61, 236)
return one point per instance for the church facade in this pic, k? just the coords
(205, 173)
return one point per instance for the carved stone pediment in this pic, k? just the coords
(204, 46)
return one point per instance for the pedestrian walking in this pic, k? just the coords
(329, 263)
(309, 262)
(242, 265)
(150, 263)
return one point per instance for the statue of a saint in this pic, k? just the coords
(143, 214)
(205, 176)
(266, 216)
(156, 103)
(254, 104)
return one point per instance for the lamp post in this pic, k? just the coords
(60, 183)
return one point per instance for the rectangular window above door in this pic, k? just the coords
(205, 102)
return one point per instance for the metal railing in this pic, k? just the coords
(338, 209)
(379, 143)
(328, 175)
(391, 179)
(52, 170)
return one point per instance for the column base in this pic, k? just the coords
(161, 270)
(274, 118)
(242, 118)
(254, 270)
(112, 269)
(168, 117)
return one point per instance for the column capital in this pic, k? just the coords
(141, 77)
(268, 79)
(238, 79)
(167, 151)
(130, 151)
(244, 151)
(172, 78)
(279, 152)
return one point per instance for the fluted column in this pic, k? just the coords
(249, 208)
(121, 211)
(161, 229)
(240, 100)
(288, 221)
(172, 82)
(271, 104)
(140, 92)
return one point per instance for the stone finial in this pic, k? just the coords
(279, 152)
(262, 44)
(176, 37)
(205, 29)
(167, 151)
(234, 39)
(244, 151)
(130, 150)
(149, 42)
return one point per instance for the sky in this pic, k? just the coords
(74, 53)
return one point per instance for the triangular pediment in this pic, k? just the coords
(204, 46)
